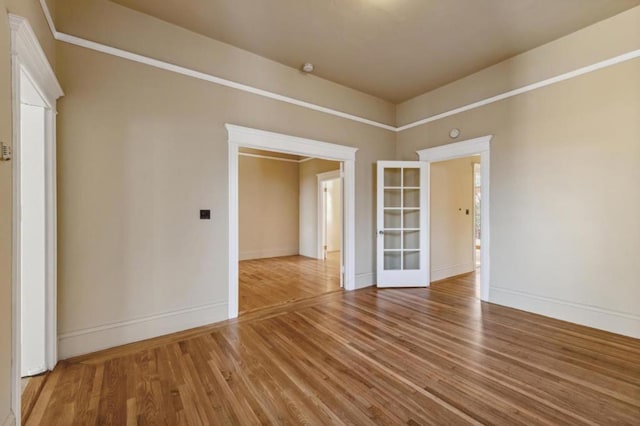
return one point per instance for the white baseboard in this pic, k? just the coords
(365, 280)
(438, 274)
(110, 335)
(263, 254)
(591, 316)
(10, 420)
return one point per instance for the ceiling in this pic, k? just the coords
(392, 49)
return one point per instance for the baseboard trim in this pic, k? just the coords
(264, 254)
(439, 274)
(590, 316)
(94, 339)
(365, 280)
(10, 420)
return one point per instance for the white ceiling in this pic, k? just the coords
(392, 49)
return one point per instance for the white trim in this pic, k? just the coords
(320, 214)
(268, 157)
(528, 88)
(451, 271)
(29, 58)
(261, 139)
(365, 280)
(119, 333)
(47, 15)
(254, 138)
(482, 146)
(265, 254)
(590, 316)
(304, 160)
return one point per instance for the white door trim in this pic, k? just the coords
(29, 58)
(322, 178)
(270, 141)
(477, 146)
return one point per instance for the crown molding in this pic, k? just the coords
(67, 38)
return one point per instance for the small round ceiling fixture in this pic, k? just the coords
(307, 67)
(454, 133)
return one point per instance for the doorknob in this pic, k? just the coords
(381, 232)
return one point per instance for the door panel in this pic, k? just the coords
(403, 252)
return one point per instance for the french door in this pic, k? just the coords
(402, 240)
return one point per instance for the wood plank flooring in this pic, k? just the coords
(393, 356)
(268, 282)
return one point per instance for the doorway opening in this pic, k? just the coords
(32, 230)
(330, 214)
(477, 213)
(283, 199)
(476, 150)
(35, 91)
(308, 154)
(455, 227)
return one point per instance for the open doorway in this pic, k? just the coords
(454, 228)
(34, 321)
(477, 213)
(283, 199)
(244, 137)
(461, 211)
(32, 230)
(330, 214)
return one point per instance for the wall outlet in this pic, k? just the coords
(205, 214)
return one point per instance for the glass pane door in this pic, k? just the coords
(401, 223)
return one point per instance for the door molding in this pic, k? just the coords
(477, 146)
(322, 178)
(28, 59)
(260, 139)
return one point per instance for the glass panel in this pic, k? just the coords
(411, 260)
(411, 177)
(411, 198)
(411, 240)
(392, 177)
(392, 198)
(392, 260)
(392, 219)
(392, 240)
(411, 219)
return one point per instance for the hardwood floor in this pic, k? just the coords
(31, 388)
(268, 282)
(413, 356)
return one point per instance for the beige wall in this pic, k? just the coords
(565, 162)
(268, 207)
(140, 151)
(451, 227)
(31, 10)
(309, 203)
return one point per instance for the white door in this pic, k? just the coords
(403, 251)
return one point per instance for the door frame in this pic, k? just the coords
(477, 146)
(322, 178)
(247, 137)
(28, 57)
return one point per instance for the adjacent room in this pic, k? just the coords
(290, 228)
(319, 212)
(455, 210)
